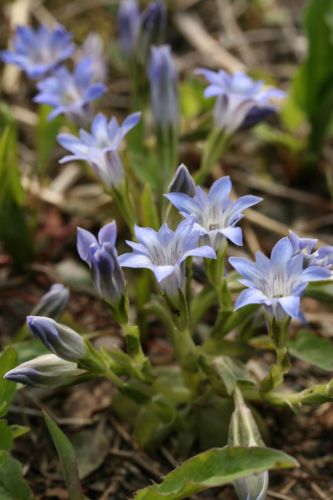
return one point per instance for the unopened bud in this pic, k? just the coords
(107, 274)
(152, 30)
(163, 87)
(128, 26)
(59, 339)
(45, 371)
(182, 182)
(53, 303)
(243, 431)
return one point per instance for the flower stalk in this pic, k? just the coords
(216, 145)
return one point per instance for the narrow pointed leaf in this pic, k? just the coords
(8, 360)
(215, 467)
(67, 457)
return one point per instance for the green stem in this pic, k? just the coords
(278, 331)
(216, 144)
(187, 355)
(135, 351)
(167, 145)
(122, 198)
(215, 274)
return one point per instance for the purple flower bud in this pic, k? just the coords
(53, 303)
(128, 26)
(101, 256)
(163, 87)
(152, 30)
(182, 182)
(45, 371)
(107, 274)
(59, 339)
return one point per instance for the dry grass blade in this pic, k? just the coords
(211, 51)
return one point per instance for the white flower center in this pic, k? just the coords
(167, 256)
(214, 217)
(277, 286)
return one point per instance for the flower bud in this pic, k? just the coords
(182, 182)
(60, 339)
(152, 30)
(128, 26)
(163, 87)
(107, 274)
(45, 371)
(243, 431)
(53, 303)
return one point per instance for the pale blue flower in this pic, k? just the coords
(276, 283)
(101, 256)
(164, 252)
(163, 87)
(214, 213)
(70, 93)
(93, 50)
(39, 51)
(323, 256)
(241, 101)
(100, 147)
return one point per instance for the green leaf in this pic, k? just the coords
(313, 83)
(154, 422)
(320, 291)
(67, 457)
(215, 467)
(18, 430)
(230, 371)
(213, 421)
(317, 351)
(12, 484)
(14, 230)
(6, 437)
(192, 99)
(91, 447)
(8, 360)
